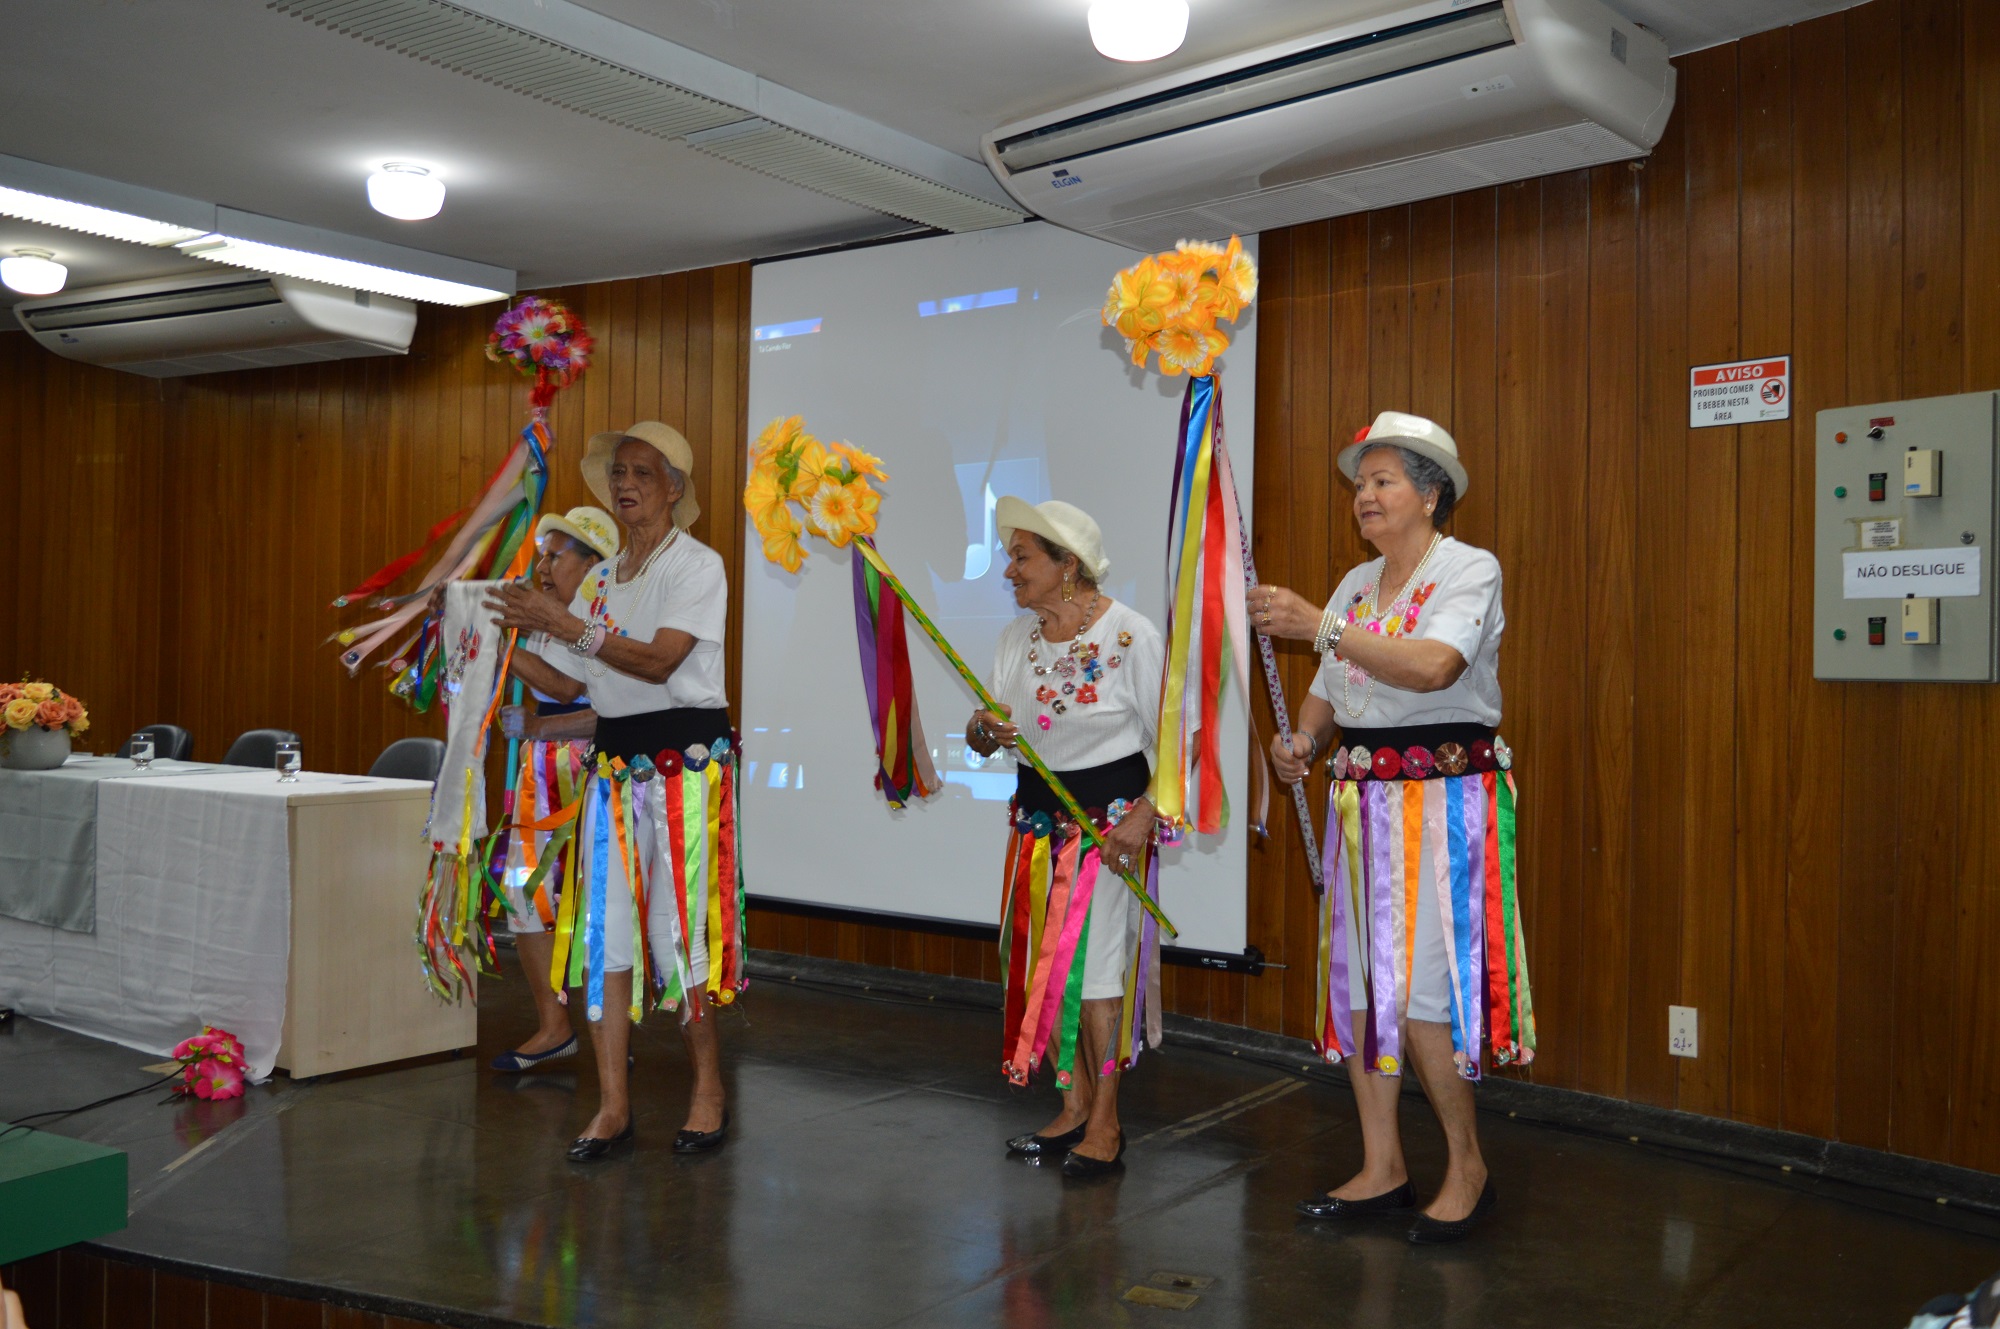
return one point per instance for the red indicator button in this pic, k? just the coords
(1878, 631)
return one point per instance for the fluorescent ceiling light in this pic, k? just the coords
(32, 272)
(91, 221)
(405, 192)
(260, 257)
(1138, 30)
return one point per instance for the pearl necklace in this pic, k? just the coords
(651, 558)
(1372, 607)
(1035, 638)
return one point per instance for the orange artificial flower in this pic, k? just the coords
(859, 462)
(51, 713)
(1139, 300)
(763, 495)
(1186, 346)
(781, 542)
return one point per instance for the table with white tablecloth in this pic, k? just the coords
(280, 911)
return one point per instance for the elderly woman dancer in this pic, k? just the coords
(1420, 949)
(1082, 672)
(555, 741)
(657, 885)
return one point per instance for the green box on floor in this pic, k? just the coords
(55, 1191)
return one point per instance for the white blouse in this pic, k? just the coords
(1459, 605)
(1109, 699)
(686, 589)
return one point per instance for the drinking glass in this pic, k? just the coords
(288, 761)
(142, 751)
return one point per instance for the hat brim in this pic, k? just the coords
(1013, 514)
(555, 522)
(1350, 457)
(597, 456)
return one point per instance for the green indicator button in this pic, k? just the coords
(1840, 491)
(1840, 634)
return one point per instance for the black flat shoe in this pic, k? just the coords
(1435, 1232)
(1390, 1204)
(1078, 1167)
(1045, 1146)
(514, 1062)
(695, 1142)
(589, 1149)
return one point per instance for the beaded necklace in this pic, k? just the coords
(1076, 656)
(601, 593)
(1410, 598)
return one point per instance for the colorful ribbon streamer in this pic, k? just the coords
(902, 757)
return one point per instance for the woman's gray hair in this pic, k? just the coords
(1058, 553)
(1426, 475)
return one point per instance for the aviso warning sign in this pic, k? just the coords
(1745, 392)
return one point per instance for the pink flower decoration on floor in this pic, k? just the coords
(211, 1078)
(1043, 721)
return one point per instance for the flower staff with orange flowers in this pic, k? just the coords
(1421, 953)
(656, 888)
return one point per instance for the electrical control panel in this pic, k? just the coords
(1903, 516)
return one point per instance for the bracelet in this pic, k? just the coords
(596, 642)
(1331, 625)
(582, 645)
(1312, 756)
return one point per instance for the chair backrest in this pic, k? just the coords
(170, 742)
(410, 759)
(258, 747)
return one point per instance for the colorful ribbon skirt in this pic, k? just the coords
(551, 777)
(1398, 811)
(658, 883)
(1051, 881)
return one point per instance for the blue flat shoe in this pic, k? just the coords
(513, 1062)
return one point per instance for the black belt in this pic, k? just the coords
(650, 733)
(1095, 788)
(1418, 752)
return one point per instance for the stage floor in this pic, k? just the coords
(866, 1186)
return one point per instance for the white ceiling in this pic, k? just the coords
(229, 102)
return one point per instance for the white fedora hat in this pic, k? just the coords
(590, 527)
(1421, 436)
(1065, 523)
(668, 441)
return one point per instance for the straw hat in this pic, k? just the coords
(590, 527)
(666, 440)
(1066, 524)
(1419, 435)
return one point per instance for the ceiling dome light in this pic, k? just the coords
(1137, 30)
(33, 272)
(405, 192)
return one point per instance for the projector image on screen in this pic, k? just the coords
(976, 366)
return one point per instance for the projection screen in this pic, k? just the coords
(975, 366)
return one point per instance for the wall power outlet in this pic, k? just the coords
(1682, 1023)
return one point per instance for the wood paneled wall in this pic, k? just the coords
(176, 544)
(1816, 867)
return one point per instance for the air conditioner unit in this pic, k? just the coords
(210, 322)
(1442, 97)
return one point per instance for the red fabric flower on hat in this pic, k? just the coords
(1388, 764)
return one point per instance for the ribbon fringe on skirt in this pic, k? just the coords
(1051, 877)
(1379, 834)
(687, 807)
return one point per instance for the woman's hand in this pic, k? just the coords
(529, 609)
(1277, 612)
(1000, 733)
(1126, 842)
(1290, 761)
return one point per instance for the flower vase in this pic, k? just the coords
(33, 748)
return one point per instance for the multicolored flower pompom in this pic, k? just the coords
(544, 342)
(1170, 303)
